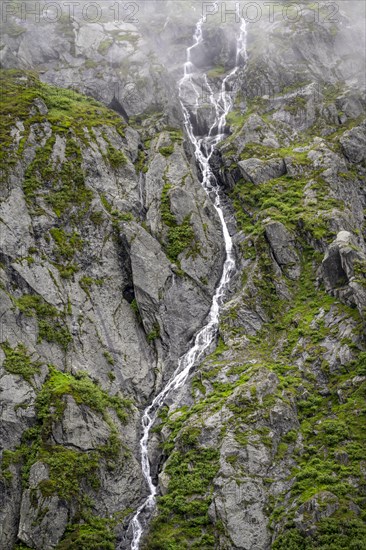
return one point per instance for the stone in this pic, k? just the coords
(240, 508)
(259, 171)
(80, 428)
(321, 505)
(338, 270)
(353, 143)
(42, 519)
(282, 244)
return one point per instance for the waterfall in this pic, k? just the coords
(191, 85)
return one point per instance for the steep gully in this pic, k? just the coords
(191, 87)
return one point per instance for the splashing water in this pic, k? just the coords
(191, 86)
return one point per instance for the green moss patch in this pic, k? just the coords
(180, 236)
(51, 323)
(183, 520)
(73, 117)
(72, 473)
(18, 361)
(282, 200)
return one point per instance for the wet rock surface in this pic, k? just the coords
(110, 252)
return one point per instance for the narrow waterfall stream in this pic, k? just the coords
(192, 85)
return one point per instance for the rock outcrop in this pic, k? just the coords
(110, 253)
(343, 271)
(282, 244)
(258, 171)
(96, 281)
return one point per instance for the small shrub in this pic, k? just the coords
(17, 361)
(166, 151)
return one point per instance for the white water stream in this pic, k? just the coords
(191, 85)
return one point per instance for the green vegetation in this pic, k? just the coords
(216, 72)
(87, 283)
(166, 151)
(68, 195)
(135, 308)
(125, 216)
(17, 361)
(109, 358)
(107, 205)
(95, 533)
(72, 474)
(282, 200)
(84, 390)
(175, 134)
(333, 533)
(295, 104)
(50, 181)
(117, 216)
(154, 333)
(131, 37)
(97, 217)
(66, 247)
(116, 158)
(90, 64)
(104, 46)
(51, 322)
(183, 520)
(180, 236)
(141, 162)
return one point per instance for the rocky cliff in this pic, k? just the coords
(111, 252)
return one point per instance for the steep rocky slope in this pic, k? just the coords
(110, 254)
(106, 275)
(265, 448)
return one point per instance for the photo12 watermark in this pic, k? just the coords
(53, 12)
(252, 12)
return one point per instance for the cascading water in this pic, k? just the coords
(203, 148)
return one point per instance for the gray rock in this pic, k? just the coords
(321, 505)
(338, 267)
(10, 498)
(354, 144)
(41, 106)
(259, 171)
(240, 508)
(17, 408)
(80, 428)
(282, 244)
(256, 130)
(42, 519)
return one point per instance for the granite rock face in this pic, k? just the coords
(282, 244)
(110, 253)
(54, 513)
(99, 299)
(258, 171)
(354, 144)
(343, 269)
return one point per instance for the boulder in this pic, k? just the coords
(282, 244)
(322, 505)
(240, 508)
(80, 427)
(43, 520)
(343, 271)
(353, 144)
(259, 171)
